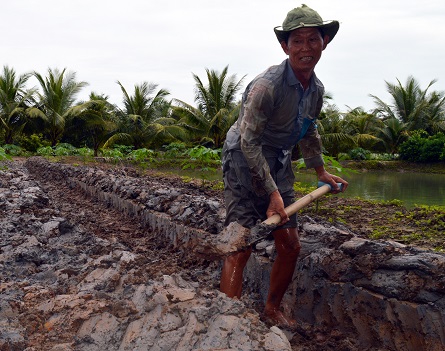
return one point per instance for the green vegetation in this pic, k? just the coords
(422, 147)
(410, 127)
(3, 155)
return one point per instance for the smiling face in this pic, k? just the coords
(304, 48)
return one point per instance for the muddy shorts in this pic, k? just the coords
(243, 205)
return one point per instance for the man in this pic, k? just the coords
(279, 109)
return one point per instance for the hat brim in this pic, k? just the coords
(330, 29)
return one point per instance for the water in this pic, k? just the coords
(411, 188)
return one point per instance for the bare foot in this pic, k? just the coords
(276, 317)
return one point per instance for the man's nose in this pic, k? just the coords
(306, 45)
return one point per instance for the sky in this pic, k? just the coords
(166, 42)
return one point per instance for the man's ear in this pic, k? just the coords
(285, 47)
(325, 41)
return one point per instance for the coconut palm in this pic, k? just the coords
(56, 102)
(216, 107)
(333, 133)
(362, 127)
(145, 118)
(415, 107)
(93, 122)
(14, 102)
(392, 134)
(435, 113)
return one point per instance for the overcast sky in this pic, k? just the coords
(164, 42)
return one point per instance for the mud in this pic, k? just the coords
(123, 269)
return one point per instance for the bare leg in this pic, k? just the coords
(232, 273)
(287, 244)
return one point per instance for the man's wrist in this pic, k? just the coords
(320, 170)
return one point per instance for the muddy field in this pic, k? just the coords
(72, 270)
(54, 239)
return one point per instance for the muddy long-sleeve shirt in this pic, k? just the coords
(277, 112)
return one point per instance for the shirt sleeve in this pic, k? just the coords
(257, 107)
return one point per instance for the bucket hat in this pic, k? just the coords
(304, 16)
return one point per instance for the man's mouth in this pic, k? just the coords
(306, 59)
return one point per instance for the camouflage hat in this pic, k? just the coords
(304, 16)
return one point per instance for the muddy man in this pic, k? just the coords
(279, 110)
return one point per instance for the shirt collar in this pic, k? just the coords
(293, 80)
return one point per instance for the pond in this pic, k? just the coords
(411, 188)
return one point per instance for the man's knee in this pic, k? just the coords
(287, 243)
(238, 259)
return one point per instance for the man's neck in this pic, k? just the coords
(304, 78)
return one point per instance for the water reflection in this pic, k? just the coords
(411, 188)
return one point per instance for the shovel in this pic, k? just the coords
(235, 237)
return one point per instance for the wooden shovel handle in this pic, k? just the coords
(300, 203)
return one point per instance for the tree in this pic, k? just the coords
(216, 107)
(14, 102)
(94, 123)
(362, 126)
(334, 136)
(145, 119)
(416, 108)
(56, 102)
(392, 134)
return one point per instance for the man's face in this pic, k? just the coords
(304, 48)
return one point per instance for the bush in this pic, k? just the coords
(33, 142)
(4, 155)
(423, 148)
(204, 154)
(432, 149)
(45, 151)
(202, 157)
(61, 149)
(174, 150)
(359, 154)
(123, 149)
(84, 151)
(14, 150)
(141, 155)
(64, 149)
(112, 153)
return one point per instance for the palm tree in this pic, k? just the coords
(413, 106)
(14, 102)
(362, 127)
(435, 113)
(93, 123)
(333, 133)
(216, 108)
(56, 102)
(145, 119)
(392, 134)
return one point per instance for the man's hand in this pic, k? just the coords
(331, 179)
(276, 206)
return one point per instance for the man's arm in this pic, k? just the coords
(257, 107)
